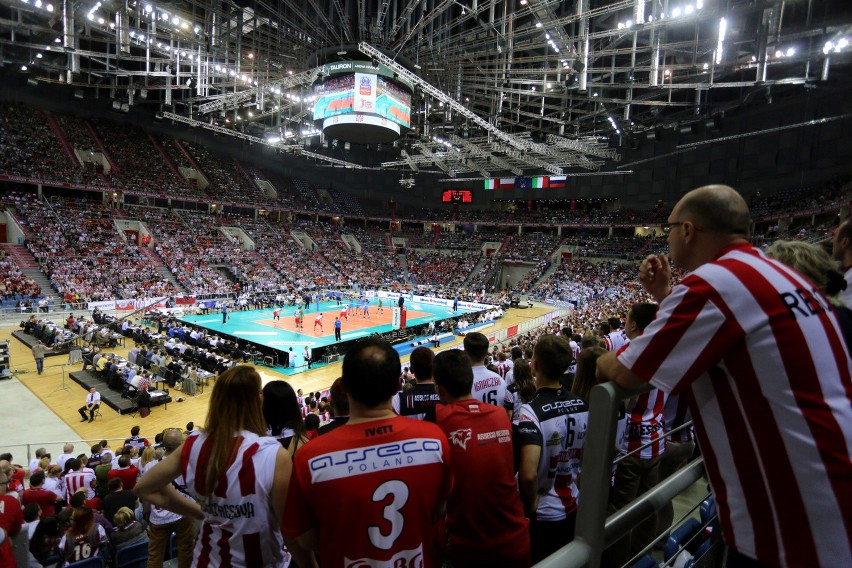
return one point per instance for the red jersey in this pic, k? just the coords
(128, 476)
(11, 520)
(761, 356)
(485, 517)
(46, 500)
(393, 471)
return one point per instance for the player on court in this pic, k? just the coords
(300, 318)
(276, 314)
(318, 322)
(366, 308)
(380, 309)
(344, 313)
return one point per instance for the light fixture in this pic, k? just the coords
(791, 51)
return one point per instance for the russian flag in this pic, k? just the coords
(557, 181)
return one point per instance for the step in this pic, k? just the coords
(167, 275)
(20, 255)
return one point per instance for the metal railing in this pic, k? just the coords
(595, 531)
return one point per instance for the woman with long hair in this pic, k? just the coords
(521, 391)
(584, 379)
(84, 538)
(237, 476)
(147, 461)
(283, 415)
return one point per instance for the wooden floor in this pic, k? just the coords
(47, 387)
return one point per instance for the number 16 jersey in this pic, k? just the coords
(371, 490)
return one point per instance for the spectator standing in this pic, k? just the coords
(11, 521)
(551, 433)
(39, 351)
(485, 519)
(488, 386)
(761, 355)
(230, 466)
(841, 250)
(419, 401)
(418, 478)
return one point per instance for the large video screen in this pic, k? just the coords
(362, 93)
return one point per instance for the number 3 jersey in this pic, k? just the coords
(556, 420)
(371, 490)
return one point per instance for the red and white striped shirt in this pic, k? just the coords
(239, 528)
(760, 353)
(676, 414)
(74, 480)
(645, 425)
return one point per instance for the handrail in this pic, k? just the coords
(594, 530)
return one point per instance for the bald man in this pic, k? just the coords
(760, 353)
(841, 250)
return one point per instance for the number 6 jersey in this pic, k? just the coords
(371, 490)
(556, 420)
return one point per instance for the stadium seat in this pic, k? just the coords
(94, 562)
(646, 562)
(133, 556)
(680, 537)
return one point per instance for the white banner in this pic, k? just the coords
(396, 318)
(108, 305)
(365, 93)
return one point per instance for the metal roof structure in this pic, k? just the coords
(501, 87)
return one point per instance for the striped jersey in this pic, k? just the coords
(645, 425)
(676, 414)
(74, 480)
(556, 420)
(615, 340)
(239, 528)
(759, 351)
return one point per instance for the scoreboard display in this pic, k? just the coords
(457, 196)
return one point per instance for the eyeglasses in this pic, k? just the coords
(668, 226)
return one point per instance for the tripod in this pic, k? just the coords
(62, 386)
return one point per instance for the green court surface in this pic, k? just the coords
(260, 326)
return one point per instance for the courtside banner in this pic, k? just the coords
(107, 305)
(125, 305)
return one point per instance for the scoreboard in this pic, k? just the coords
(457, 196)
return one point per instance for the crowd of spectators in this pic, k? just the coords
(29, 148)
(14, 285)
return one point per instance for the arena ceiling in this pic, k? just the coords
(503, 87)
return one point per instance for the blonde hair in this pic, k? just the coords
(123, 517)
(147, 456)
(44, 463)
(235, 405)
(813, 262)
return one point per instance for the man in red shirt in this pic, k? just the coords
(485, 518)
(126, 472)
(45, 499)
(11, 520)
(393, 471)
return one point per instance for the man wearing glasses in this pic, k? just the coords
(759, 351)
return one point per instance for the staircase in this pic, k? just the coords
(39, 278)
(545, 275)
(165, 157)
(190, 159)
(63, 141)
(20, 255)
(476, 270)
(403, 265)
(100, 144)
(503, 246)
(161, 268)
